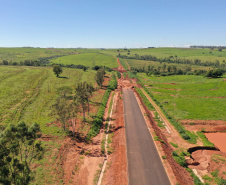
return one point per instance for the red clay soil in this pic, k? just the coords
(182, 176)
(207, 125)
(116, 171)
(209, 161)
(218, 139)
(120, 68)
(128, 65)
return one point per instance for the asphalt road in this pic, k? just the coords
(144, 164)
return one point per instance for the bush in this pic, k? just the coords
(179, 159)
(174, 145)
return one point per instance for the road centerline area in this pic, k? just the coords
(144, 164)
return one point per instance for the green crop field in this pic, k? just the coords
(188, 53)
(144, 65)
(27, 93)
(88, 59)
(189, 96)
(19, 54)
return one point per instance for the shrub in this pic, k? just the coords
(174, 145)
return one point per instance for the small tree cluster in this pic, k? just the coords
(67, 108)
(18, 149)
(100, 77)
(215, 73)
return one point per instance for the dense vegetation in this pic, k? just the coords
(98, 120)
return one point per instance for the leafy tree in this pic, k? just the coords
(73, 112)
(61, 109)
(89, 91)
(64, 91)
(5, 62)
(85, 68)
(81, 96)
(18, 149)
(57, 69)
(100, 77)
(164, 67)
(215, 73)
(169, 68)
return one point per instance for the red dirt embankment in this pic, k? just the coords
(116, 171)
(120, 68)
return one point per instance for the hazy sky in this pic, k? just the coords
(112, 23)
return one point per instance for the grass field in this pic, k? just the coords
(27, 93)
(187, 53)
(140, 64)
(88, 59)
(188, 96)
(20, 54)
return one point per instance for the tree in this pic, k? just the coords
(215, 73)
(100, 77)
(64, 91)
(164, 67)
(73, 112)
(57, 69)
(5, 62)
(18, 149)
(81, 96)
(61, 110)
(89, 91)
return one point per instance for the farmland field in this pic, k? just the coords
(143, 64)
(188, 96)
(187, 53)
(88, 59)
(19, 54)
(27, 93)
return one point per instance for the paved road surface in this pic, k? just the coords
(144, 164)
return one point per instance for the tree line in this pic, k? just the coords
(167, 70)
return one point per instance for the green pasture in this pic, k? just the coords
(88, 59)
(27, 93)
(187, 53)
(21, 54)
(189, 96)
(143, 64)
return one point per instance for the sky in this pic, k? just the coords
(112, 23)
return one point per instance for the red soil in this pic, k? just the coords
(117, 164)
(218, 139)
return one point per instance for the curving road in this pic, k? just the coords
(144, 164)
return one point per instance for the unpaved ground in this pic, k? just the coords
(116, 171)
(209, 161)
